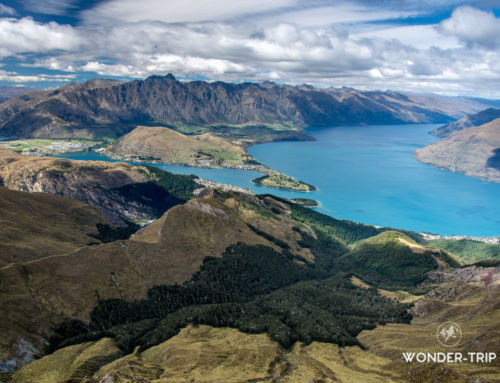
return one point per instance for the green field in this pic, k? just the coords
(467, 250)
(41, 146)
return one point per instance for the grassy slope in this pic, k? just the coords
(36, 225)
(388, 260)
(205, 354)
(391, 260)
(72, 364)
(39, 295)
(220, 354)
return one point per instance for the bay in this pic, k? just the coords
(369, 174)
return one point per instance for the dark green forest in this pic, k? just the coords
(252, 288)
(346, 231)
(257, 289)
(467, 250)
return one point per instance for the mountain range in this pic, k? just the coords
(468, 121)
(110, 108)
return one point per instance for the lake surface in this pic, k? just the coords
(368, 174)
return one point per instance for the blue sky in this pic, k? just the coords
(444, 46)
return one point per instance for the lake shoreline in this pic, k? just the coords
(54, 147)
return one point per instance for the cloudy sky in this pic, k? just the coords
(445, 46)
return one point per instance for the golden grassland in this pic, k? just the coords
(73, 363)
(38, 225)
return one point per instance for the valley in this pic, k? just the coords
(96, 301)
(249, 191)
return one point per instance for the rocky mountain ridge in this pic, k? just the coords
(110, 108)
(469, 121)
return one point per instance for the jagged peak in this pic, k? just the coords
(169, 76)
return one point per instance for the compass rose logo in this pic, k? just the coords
(449, 334)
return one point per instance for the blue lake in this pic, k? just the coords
(368, 174)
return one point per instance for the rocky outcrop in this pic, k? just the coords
(113, 187)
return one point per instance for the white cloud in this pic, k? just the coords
(282, 52)
(417, 36)
(473, 26)
(26, 35)
(341, 13)
(164, 64)
(5, 10)
(176, 11)
(17, 78)
(422, 57)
